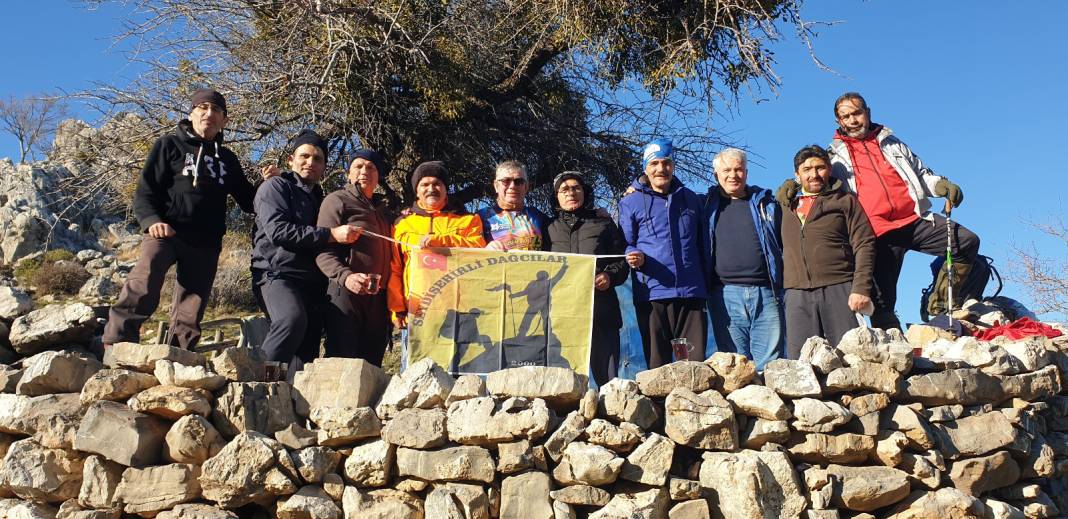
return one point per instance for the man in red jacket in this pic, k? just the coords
(893, 186)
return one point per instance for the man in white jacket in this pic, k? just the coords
(893, 186)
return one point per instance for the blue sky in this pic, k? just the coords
(974, 88)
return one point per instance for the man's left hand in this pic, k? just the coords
(857, 302)
(602, 282)
(949, 191)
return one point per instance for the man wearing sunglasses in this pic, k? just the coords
(509, 224)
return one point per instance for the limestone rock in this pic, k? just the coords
(1030, 352)
(658, 382)
(941, 504)
(423, 385)
(243, 472)
(1039, 385)
(115, 384)
(370, 464)
(1040, 461)
(514, 457)
(974, 435)
(824, 357)
(482, 421)
(864, 376)
(526, 496)
(759, 431)
(416, 428)
(693, 509)
(619, 438)
(818, 415)
(345, 425)
(52, 420)
(14, 303)
(71, 509)
(620, 400)
(296, 437)
(649, 462)
(38, 473)
(192, 439)
(867, 404)
(100, 478)
(587, 464)
(588, 405)
(56, 372)
(683, 489)
(383, 503)
(581, 495)
(459, 501)
(465, 387)
(639, 503)
(121, 434)
(314, 463)
(904, 419)
(955, 386)
(566, 433)
(52, 325)
(196, 511)
(1001, 510)
(557, 386)
(890, 448)
(792, 378)
(704, 421)
(153, 489)
(9, 378)
(464, 463)
(734, 369)
(265, 407)
(337, 382)
(752, 484)
(310, 502)
(171, 373)
(865, 489)
(143, 357)
(238, 364)
(924, 469)
(759, 401)
(864, 345)
(975, 476)
(17, 509)
(833, 448)
(171, 402)
(920, 335)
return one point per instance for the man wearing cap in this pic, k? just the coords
(667, 239)
(357, 321)
(509, 223)
(180, 204)
(745, 292)
(894, 188)
(578, 228)
(432, 222)
(285, 246)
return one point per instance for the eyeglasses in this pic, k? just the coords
(569, 189)
(519, 181)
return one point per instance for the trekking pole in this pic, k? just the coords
(949, 262)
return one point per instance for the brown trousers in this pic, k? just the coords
(141, 292)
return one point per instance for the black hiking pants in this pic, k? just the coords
(663, 320)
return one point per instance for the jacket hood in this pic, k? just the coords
(835, 186)
(185, 130)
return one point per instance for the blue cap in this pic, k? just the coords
(657, 149)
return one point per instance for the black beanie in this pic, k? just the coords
(434, 168)
(565, 176)
(307, 137)
(374, 157)
(587, 192)
(207, 95)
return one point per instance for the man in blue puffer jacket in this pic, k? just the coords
(667, 239)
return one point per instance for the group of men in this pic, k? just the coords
(777, 270)
(771, 270)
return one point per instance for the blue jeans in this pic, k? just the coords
(747, 320)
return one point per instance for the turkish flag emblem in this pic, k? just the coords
(432, 261)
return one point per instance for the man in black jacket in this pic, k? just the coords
(284, 249)
(579, 229)
(180, 203)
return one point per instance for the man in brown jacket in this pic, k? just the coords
(828, 252)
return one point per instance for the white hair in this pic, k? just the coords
(511, 165)
(730, 153)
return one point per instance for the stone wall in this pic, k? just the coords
(860, 429)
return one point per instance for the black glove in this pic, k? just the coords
(950, 191)
(787, 191)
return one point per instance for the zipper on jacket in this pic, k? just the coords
(893, 209)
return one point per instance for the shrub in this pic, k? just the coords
(60, 277)
(26, 270)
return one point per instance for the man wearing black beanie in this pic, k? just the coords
(285, 245)
(180, 204)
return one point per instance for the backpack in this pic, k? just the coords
(973, 287)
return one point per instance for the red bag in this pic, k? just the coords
(1019, 329)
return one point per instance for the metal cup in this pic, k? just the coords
(681, 348)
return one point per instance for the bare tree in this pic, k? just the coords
(1044, 275)
(32, 120)
(568, 84)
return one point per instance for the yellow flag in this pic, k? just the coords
(476, 310)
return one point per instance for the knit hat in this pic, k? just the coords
(308, 137)
(372, 156)
(207, 95)
(657, 149)
(587, 192)
(434, 168)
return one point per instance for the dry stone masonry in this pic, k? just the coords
(862, 429)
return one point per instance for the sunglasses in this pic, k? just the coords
(519, 181)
